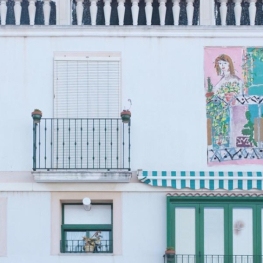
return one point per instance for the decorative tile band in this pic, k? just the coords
(234, 154)
(203, 180)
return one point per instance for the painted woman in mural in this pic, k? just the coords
(225, 68)
(220, 108)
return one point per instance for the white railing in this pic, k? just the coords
(31, 11)
(207, 11)
(238, 11)
(135, 11)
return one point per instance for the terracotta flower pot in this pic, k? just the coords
(209, 94)
(170, 253)
(125, 116)
(229, 97)
(36, 115)
(89, 248)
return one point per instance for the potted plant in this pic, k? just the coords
(92, 242)
(170, 253)
(210, 92)
(125, 116)
(36, 115)
(89, 244)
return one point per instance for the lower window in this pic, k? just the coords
(215, 230)
(86, 231)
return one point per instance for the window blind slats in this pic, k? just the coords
(88, 89)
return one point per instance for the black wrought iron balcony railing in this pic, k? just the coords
(213, 258)
(79, 246)
(81, 144)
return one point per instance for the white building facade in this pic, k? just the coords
(152, 182)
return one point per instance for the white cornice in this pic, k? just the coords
(134, 31)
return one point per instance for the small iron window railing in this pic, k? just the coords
(79, 246)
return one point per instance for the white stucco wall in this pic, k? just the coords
(29, 229)
(144, 227)
(162, 73)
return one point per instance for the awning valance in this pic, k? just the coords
(202, 179)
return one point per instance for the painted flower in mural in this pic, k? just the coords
(238, 226)
(218, 111)
(229, 90)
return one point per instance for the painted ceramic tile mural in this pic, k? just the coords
(234, 98)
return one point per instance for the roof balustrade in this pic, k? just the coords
(131, 12)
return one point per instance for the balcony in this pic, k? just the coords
(215, 259)
(89, 150)
(131, 12)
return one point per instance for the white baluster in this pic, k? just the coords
(121, 10)
(3, 12)
(79, 11)
(252, 12)
(162, 11)
(176, 11)
(107, 11)
(17, 10)
(148, 12)
(46, 9)
(207, 13)
(190, 11)
(32, 12)
(93, 11)
(223, 11)
(135, 12)
(238, 10)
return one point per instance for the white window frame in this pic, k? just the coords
(3, 226)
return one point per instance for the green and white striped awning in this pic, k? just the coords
(203, 180)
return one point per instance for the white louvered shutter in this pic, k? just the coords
(87, 89)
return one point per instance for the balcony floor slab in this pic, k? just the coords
(82, 176)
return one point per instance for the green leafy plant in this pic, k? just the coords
(249, 129)
(248, 65)
(218, 111)
(209, 85)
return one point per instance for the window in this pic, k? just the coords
(216, 229)
(87, 231)
(87, 86)
(86, 127)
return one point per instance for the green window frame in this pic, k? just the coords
(227, 204)
(90, 231)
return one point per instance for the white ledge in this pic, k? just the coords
(82, 176)
(134, 31)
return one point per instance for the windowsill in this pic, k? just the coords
(86, 254)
